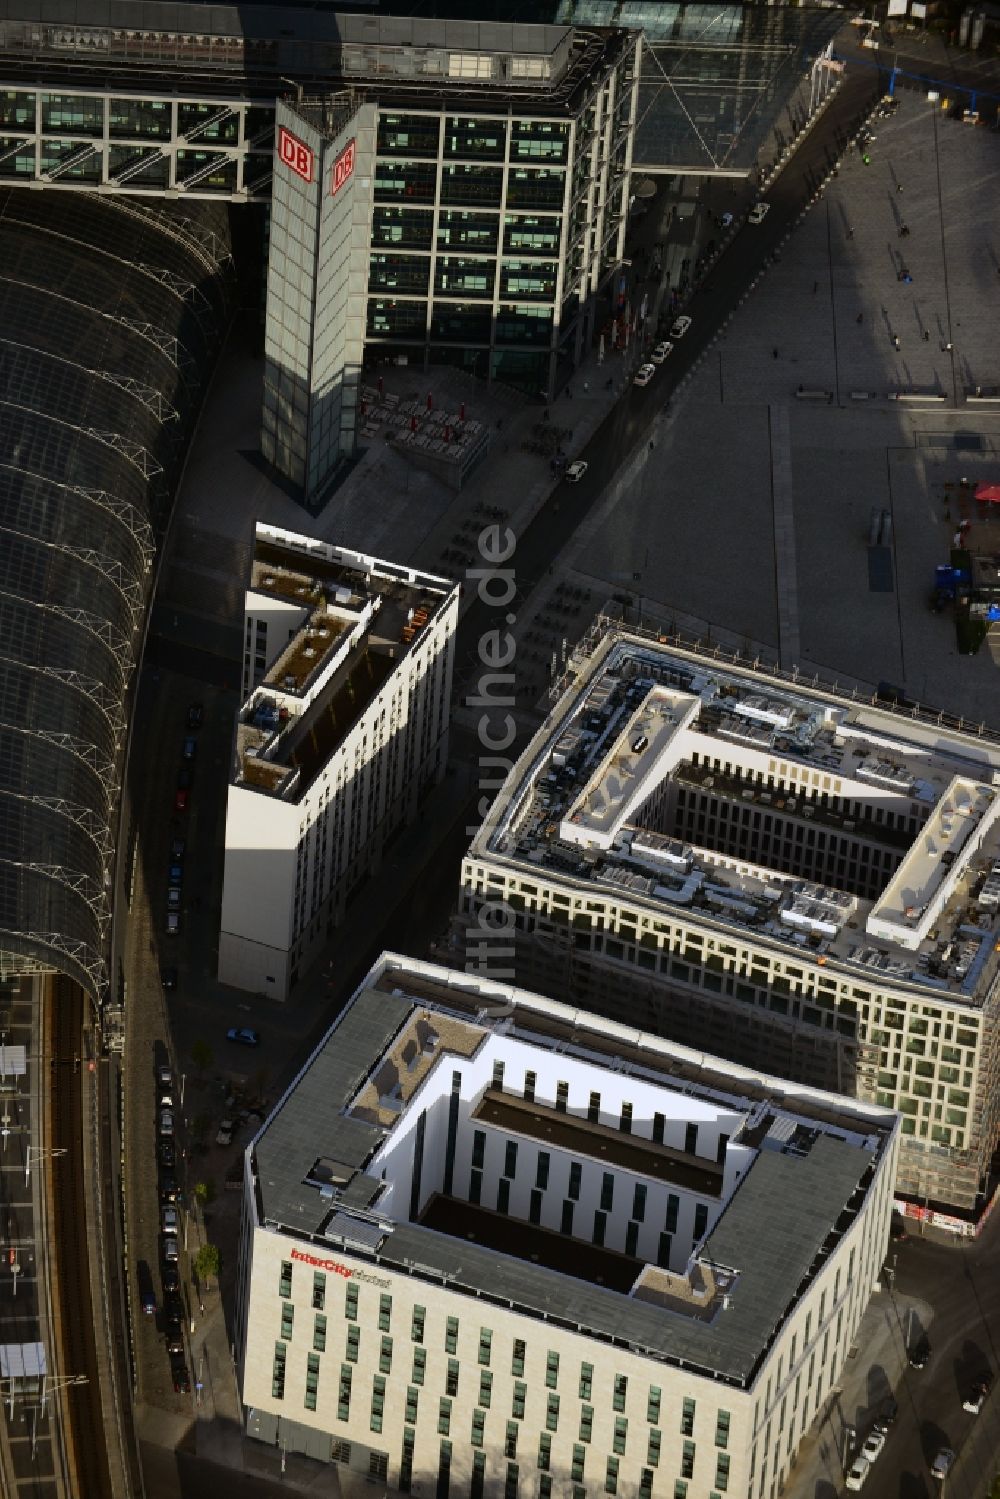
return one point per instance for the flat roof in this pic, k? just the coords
(359, 616)
(639, 714)
(311, 1164)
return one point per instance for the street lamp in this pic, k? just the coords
(41, 1154)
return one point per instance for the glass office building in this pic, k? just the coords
(461, 203)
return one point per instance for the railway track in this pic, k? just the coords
(70, 1248)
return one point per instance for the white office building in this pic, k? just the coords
(344, 728)
(492, 1245)
(779, 873)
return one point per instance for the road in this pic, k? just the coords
(963, 1287)
(631, 420)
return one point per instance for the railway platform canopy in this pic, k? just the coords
(111, 313)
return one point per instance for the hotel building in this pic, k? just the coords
(493, 1245)
(344, 728)
(780, 874)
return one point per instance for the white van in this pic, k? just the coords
(941, 1465)
(858, 1475)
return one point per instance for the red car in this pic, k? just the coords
(181, 801)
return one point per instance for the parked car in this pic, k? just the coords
(644, 374)
(858, 1475)
(174, 1338)
(679, 326)
(973, 1402)
(166, 1122)
(173, 899)
(168, 1220)
(166, 1099)
(164, 1076)
(941, 1466)
(171, 1280)
(224, 1135)
(175, 875)
(897, 1228)
(919, 1354)
(195, 715)
(873, 1446)
(173, 923)
(182, 1382)
(758, 212)
(576, 471)
(886, 1415)
(173, 1306)
(168, 978)
(165, 1152)
(243, 1036)
(661, 352)
(170, 1254)
(190, 747)
(181, 801)
(147, 1293)
(177, 847)
(185, 778)
(169, 1190)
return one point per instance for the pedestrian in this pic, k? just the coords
(850, 231)
(899, 187)
(815, 287)
(586, 387)
(860, 317)
(774, 353)
(896, 340)
(652, 444)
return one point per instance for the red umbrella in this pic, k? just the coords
(461, 412)
(988, 493)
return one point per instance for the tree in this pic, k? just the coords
(205, 1192)
(206, 1263)
(202, 1056)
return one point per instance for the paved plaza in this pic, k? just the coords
(752, 514)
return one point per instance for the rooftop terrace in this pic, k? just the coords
(359, 617)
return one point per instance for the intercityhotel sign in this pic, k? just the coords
(349, 1272)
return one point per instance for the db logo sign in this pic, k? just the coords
(342, 169)
(295, 154)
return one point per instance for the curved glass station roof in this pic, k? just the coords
(111, 314)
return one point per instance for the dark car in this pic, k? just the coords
(169, 1190)
(175, 875)
(243, 1036)
(897, 1228)
(147, 1293)
(182, 1383)
(195, 715)
(181, 801)
(167, 1156)
(190, 747)
(177, 847)
(919, 1354)
(173, 1306)
(168, 977)
(185, 778)
(171, 1280)
(886, 1415)
(174, 1339)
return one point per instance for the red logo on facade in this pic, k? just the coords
(295, 154)
(343, 167)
